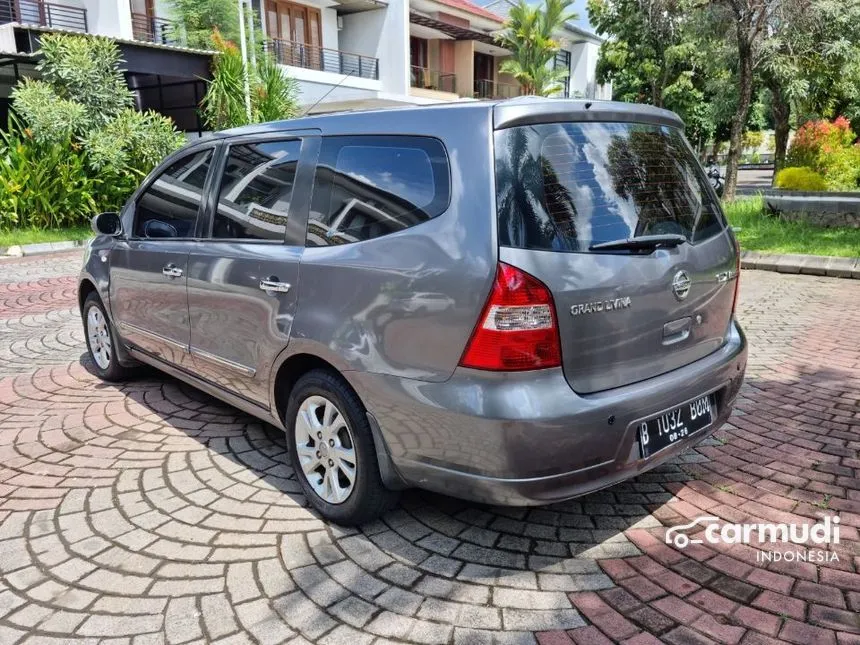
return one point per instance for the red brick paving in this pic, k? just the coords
(122, 509)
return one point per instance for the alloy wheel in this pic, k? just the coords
(325, 448)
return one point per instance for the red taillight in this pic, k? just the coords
(517, 329)
(737, 273)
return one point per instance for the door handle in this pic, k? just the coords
(272, 285)
(172, 271)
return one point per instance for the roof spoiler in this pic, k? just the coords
(528, 110)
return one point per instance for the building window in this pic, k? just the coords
(562, 61)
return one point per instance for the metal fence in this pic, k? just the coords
(431, 79)
(156, 30)
(325, 60)
(44, 14)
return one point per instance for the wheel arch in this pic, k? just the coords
(286, 373)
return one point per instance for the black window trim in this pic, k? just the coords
(307, 158)
(179, 155)
(444, 208)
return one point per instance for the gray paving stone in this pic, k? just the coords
(541, 620)
(104, 625)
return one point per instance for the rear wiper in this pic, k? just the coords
(642, 243)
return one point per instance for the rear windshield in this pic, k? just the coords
(566, 186)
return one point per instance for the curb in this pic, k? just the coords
(39, 249)
(805, 264)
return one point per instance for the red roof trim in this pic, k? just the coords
(470, 7)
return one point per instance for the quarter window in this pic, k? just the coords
(168, 207)
(367, 187)
(254, 199)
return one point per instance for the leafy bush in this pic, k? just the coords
(273, 93)
(44, 185)
(843, 169)
(753, 139)
(815, 140)
(76, 146)
(826, 148)
(755, 158)
(802, 178)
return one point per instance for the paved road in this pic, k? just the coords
(150, 513)
(752, 181)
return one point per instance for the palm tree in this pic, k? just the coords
(529, 36)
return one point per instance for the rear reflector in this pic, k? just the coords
(517, 329)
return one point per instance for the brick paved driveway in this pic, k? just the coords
(150, 513)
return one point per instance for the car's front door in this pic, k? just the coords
(242, 278)
(148, 296)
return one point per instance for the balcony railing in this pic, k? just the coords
(432, 79)
(44, 14)
(325, 60)
(486, 89)
(150, 29)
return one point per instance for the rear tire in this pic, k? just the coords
(332, 451)
(102, 341)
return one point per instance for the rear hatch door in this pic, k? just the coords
(632, 311)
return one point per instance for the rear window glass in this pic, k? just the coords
(567, 186)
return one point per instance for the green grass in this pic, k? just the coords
(761, 231)
(18, 237)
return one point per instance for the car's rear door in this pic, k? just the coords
(149, 265)
(243, 273)
(624, 315)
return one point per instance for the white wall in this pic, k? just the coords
(583, 69)
(383, 34)
(330, 36)
(109, 18)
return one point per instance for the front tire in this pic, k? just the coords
(332, 452)
(102, 341)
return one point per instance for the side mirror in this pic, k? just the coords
(107, 224)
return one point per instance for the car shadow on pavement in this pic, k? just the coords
(548, 547)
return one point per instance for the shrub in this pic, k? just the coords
(43, 185)
(272, 92)
(76, 146)
(815, 140)
(803, 178)
(753, 139)
(843, 169)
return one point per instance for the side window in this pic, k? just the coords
(370, 186)
(168, 207)
(254, 199)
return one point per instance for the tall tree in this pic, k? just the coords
(530, 36)
(750, 20)
(650, 52)
(201, 17)
(810, 64)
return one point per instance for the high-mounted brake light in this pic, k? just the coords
(517, 329)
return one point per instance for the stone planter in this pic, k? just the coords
(816, 207)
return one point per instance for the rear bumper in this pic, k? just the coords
(526, 439)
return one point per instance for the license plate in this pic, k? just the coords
(672, 426)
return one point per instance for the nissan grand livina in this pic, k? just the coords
(514, 302)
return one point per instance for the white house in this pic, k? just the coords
(349, 54)
(345, 54)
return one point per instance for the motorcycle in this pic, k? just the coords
(716, 179)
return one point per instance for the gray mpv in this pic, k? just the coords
(512, 302)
